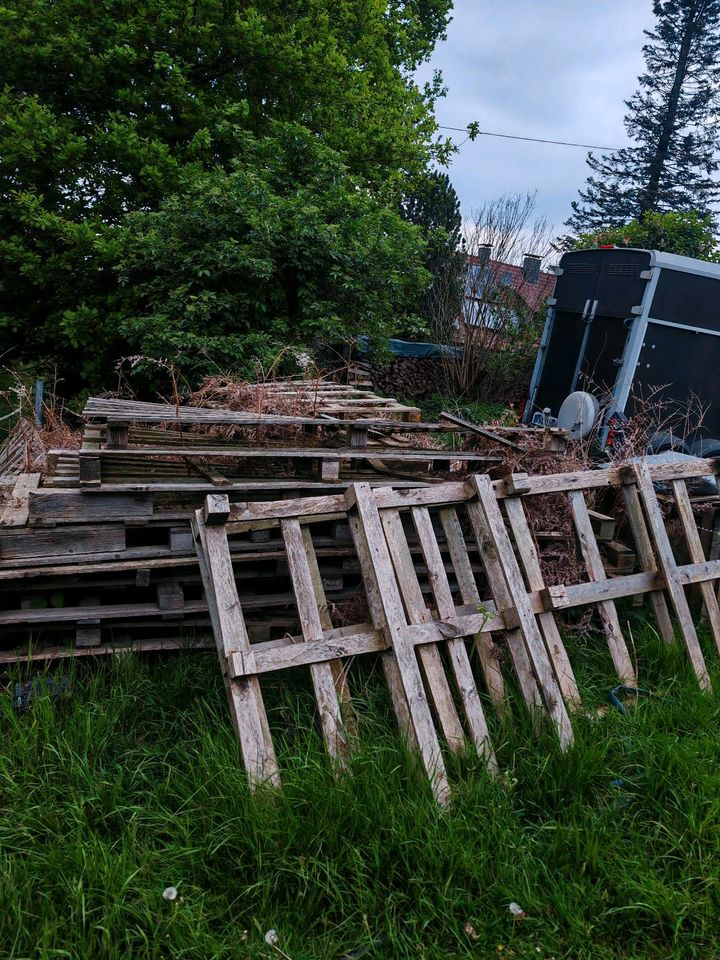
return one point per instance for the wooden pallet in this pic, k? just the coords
(322, 645)
(325, 462)
(16, 448)
(431, 701)
(325, 398)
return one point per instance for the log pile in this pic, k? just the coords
(407, 376)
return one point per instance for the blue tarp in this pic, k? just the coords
(403, 348)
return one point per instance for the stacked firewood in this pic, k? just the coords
(408, 376)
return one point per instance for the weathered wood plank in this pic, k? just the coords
(670, 572)
(246, 703)
(597, 479)
(486, 649)
(268, 657)
(492, 530)
(436, 682)
(28, 543)
(360, 497)
(386, 497)
(90, 460)
(481, 431)
(312, 629)
(72, 506)
(338, 668)
(514, 639)
(377, 612)
(15, 513)
(459, 660)
(56, 652)
(596, 572)
(533, 573)
(697, 554)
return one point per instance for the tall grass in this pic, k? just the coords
(132, 782)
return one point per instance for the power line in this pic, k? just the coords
(510, 136)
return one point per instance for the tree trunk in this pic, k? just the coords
(649, 198)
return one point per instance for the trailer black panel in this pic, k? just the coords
(602, 356)
(621, 286)
(675, 366)
(576, 286)
(560, 359)
(688, 299)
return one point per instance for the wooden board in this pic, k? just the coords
(669, 568)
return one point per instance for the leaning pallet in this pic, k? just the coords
(323, 645)
(410, 633)
(426, 649)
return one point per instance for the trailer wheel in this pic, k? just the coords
(662, 442)
(705, 447)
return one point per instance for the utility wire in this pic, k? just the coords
(510, 136)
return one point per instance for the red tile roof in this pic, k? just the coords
(534, 294)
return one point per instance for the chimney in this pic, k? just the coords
(531, 268)
(483, 253)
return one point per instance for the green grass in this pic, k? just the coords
(132, 782)
(473, 410)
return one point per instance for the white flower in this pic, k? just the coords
(272, 937)
(170, 893)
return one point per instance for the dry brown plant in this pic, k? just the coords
(549, 514)
(37, 440)
(653, 415)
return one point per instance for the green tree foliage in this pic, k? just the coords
(108, 107)
(287, 247)
(688, 234)
(433, 204)
(672, 120)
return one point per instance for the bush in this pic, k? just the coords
(287, 248)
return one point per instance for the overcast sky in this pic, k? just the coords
(558, 69)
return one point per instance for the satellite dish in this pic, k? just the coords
(578, 414)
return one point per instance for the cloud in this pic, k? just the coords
(557, 69)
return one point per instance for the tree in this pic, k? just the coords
(433, 205)
(254, 258)
(672, 119)
(494, 319)
(110, 106)
(688, 234)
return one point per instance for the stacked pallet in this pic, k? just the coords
(141, 444)
(168, 529)
(97, 555)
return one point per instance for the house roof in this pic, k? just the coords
(509, 274)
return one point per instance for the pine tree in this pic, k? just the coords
(671, 118)
(434, 205)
